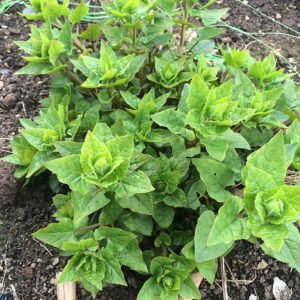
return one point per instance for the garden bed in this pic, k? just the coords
(31, 267)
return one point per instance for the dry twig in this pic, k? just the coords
(224, 278)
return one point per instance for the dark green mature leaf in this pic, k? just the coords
(138, 223)
(132, 257)
(216, 176)
(163, 215)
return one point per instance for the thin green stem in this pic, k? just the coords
(134, 37)
(87, 228)
(185, 19)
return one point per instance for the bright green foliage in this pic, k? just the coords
(161, 155)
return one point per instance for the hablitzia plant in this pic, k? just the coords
(165, 153)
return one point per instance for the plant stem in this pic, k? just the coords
(185, 19)
(164, 249)
(134, 37)
(86, 228)
(208, 4)
(79, 45)
(74, 77)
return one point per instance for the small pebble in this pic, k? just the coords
(55, 261)
(33, 265)
(278, 16)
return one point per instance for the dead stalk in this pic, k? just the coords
(224, 278)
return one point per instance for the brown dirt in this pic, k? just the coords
(24, 262)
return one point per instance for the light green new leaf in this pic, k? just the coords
(53, 10)
(68, 170)
(56, 234)
(270, 158)
(228, 227)
(203, 252)
(85, 205)
(95, 157)
(212, 16)
(279, 205)
(216, 176)
(135, 183)
(55, 49)
(289, 252)
(88, 244)
(79, 12)
(272, 234)
(198, 94)
(257, 181)
(293, 132)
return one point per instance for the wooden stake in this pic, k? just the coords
(66, 291)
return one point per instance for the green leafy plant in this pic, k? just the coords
(167, 156)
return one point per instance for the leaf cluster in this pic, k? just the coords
(169, 155)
